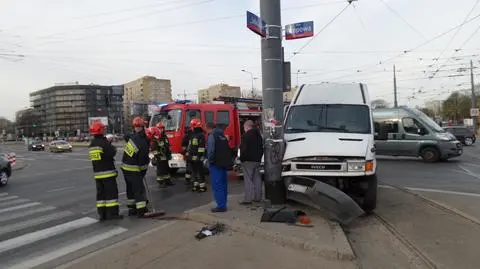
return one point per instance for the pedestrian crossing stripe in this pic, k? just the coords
(24, 223)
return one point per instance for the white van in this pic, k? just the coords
(330, 139)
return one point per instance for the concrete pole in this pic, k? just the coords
(395, 100)
(272, 88)
(474, 98)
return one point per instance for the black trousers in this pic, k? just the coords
(197, 169)
(107, 197)
(163, 170)
(135, 190)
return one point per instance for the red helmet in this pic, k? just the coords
(97, 128)
(195, 123)
(138, 122)
(160, 126)
(152, 132)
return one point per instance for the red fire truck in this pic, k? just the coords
(228, 111)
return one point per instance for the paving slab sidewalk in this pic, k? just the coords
(246, 244)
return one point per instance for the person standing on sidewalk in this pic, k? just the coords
(220, 160)
(251, 152)
(102, 154)
(134, 166)
(196, 155)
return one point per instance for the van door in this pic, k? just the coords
(386, 137)
(411, 139)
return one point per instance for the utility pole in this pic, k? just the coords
(272, 88)
(474, 98)
(395, 101)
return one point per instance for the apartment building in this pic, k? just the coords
(207, 95)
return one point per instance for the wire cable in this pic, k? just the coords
(402, 19)
(319, 32)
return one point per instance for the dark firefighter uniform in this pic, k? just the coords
(102, 155)
(188, 169)
(162, 154)
(195, 157)
(134, 166)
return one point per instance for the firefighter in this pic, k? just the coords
(188, 169)
(102, 154)
(134, 166)
(196, 155)
(161, 151)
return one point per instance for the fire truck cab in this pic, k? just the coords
(228, 112)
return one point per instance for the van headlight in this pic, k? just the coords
(177, 157)
(356, 166)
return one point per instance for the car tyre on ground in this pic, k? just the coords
(4, 175)
(369, 202)
(430, 154)
(468, 141)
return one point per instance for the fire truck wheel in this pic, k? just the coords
(173, 171)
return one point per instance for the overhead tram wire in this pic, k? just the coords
(368, 66)
(454, 35)
(402, 19)
(128, 18)
(319, 32)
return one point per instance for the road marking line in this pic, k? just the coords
(41, 259)
(24, 213)
(13, 202)
(8, 198)
(53, 172)
(468, 172)
(45, 233)
(434, 190)
(3, 194)
(13, 208)
(33, 222)
(62, 189)
(472, 164)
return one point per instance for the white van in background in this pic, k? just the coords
(330, 139)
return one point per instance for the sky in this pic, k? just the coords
(197, 43)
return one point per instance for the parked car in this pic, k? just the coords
(36, 145)
(60, 146)
(5, 171)
(464, 134)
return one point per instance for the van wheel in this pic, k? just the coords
(430, 154)
(3, 178)
(468, 141)
(369, 202)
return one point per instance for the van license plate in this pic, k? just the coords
(297, 188)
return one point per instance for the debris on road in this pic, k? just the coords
(289, 216)
(209, 231)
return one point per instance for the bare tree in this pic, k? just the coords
(251, 94)
(380, 103)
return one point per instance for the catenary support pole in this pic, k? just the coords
(474, 98)
(272, 88)
(395, 100)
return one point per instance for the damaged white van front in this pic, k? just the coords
(330, 151)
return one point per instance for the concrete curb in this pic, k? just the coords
(343, 253)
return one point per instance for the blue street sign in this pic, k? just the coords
(255, 24)
(299, 30)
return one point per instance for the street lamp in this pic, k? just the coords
(298, 73)
(253, 79)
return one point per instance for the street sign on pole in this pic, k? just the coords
(299, 30)
(474, 112)
(255, 24)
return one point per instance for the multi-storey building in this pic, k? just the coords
(65, 109)
(143, 91)
(207, 95)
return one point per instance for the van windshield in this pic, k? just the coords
(427, 120)
(170, 118)
(329, 118)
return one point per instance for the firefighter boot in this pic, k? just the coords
(202, 187)
(195, 186)
(132, 212)
(102, 213)
(141, 212)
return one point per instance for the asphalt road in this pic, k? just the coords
(47, 211)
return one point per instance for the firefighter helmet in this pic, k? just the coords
(195, 123)
(138, 122)
(152, 132)
(97, 128)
